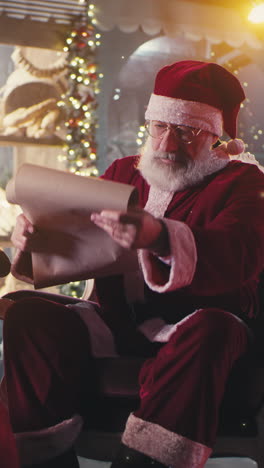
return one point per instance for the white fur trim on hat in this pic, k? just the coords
(235, 146)
(182, 112)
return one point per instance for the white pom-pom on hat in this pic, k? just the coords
(235, 146)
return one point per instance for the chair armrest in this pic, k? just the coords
(25, 293)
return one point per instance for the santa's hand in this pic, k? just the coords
(134, 229)
(23, 233)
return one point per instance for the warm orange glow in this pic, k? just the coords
(257, 14)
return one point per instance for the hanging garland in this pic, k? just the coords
(80, 101)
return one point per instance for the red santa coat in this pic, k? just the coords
(225, 214)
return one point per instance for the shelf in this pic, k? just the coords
(23, 141)
(29, 33)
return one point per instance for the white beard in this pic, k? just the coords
(179, 176)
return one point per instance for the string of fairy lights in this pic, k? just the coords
(79, 103)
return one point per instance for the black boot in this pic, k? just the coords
(66, 460)
(130, 458)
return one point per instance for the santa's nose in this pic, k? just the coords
(170, 142)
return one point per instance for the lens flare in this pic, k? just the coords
(257, 14)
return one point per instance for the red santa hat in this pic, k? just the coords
(198, 94)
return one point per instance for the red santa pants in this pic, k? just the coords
(182, 388)
(8, 450)
(49, 375)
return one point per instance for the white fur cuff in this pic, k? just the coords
(182, 260)
(163, 445)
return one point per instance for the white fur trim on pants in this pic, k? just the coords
(45, 444)
(163, 445)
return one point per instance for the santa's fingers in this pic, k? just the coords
(125, 237)
(25, 227)
(23, 233)
(125, 217)
(124, 234)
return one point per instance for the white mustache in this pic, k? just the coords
(171, 156)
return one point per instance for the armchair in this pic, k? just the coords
(240, 431)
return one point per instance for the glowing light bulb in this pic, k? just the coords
(257, 14)
(61, 158)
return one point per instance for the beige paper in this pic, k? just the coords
(68, 246)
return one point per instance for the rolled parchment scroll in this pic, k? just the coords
(68, 246)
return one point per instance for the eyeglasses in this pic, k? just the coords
(185, 134)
